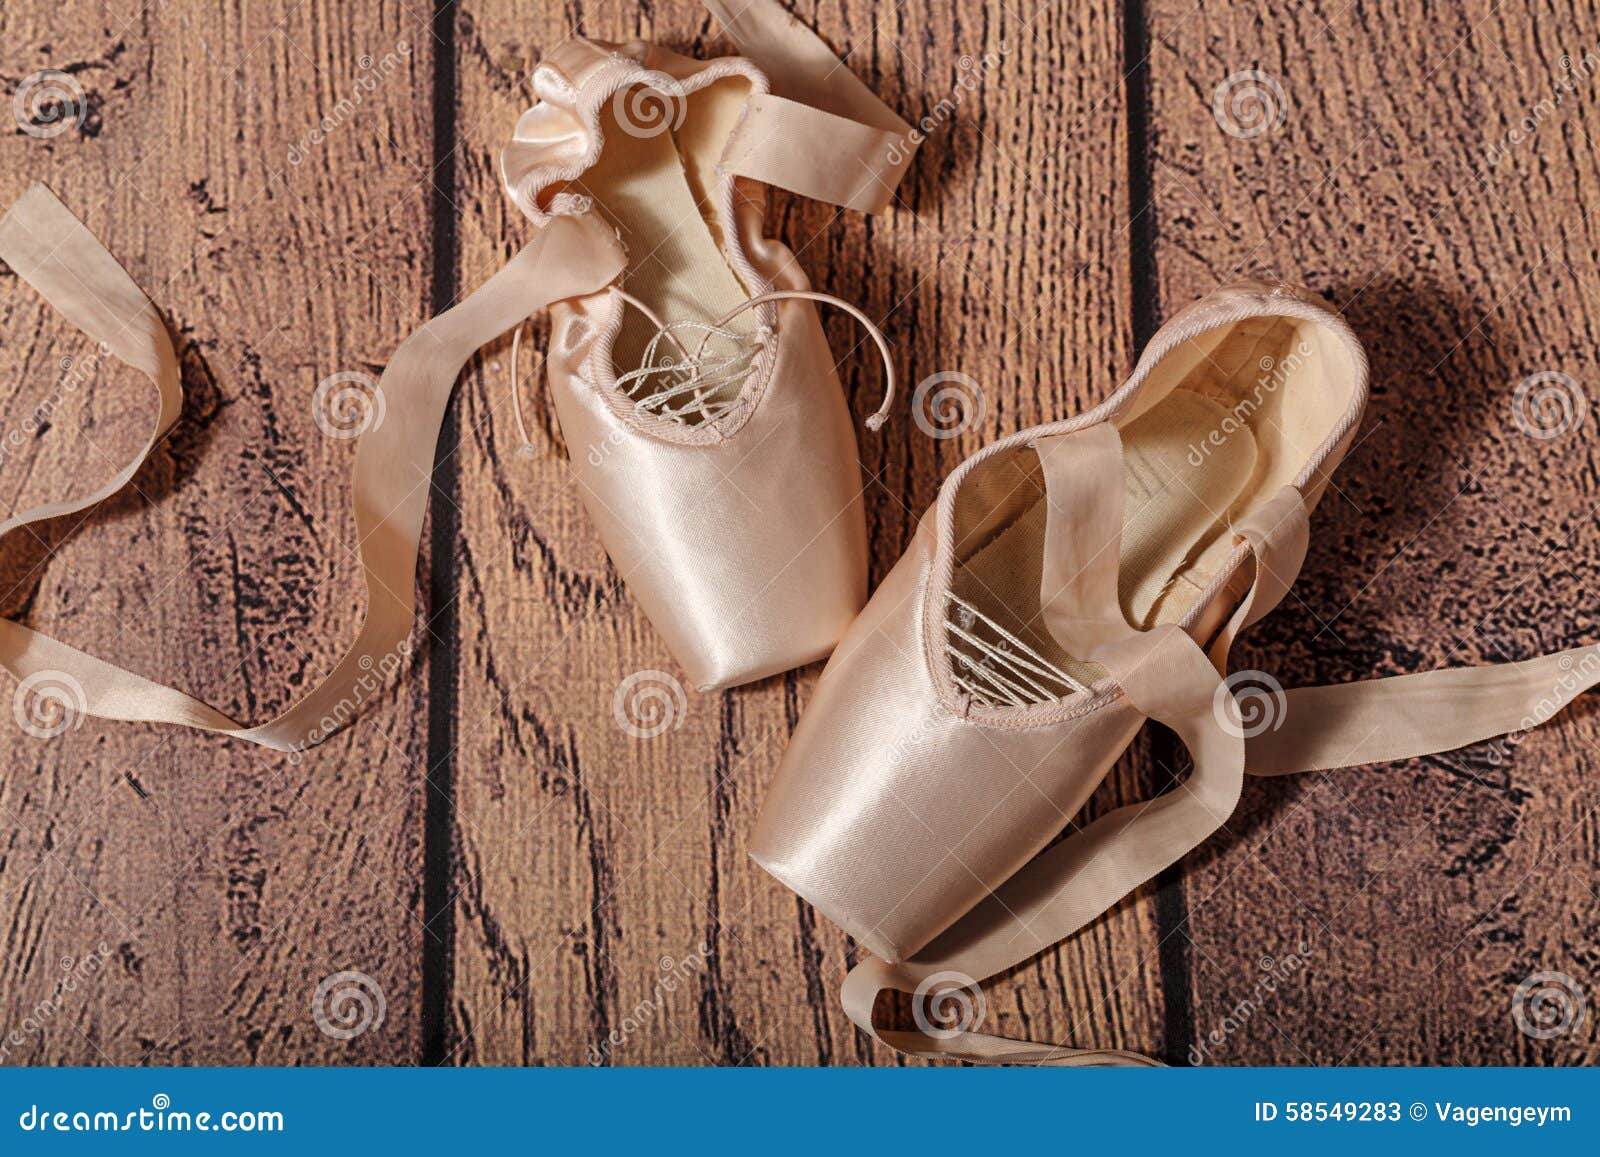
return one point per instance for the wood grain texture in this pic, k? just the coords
(298, 193)
(593, 865)
(221, 883)
(1424, 892)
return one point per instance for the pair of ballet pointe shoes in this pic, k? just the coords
(1070, 581)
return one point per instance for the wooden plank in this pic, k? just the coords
(593, 864)
(1430, 172)
(262, 171)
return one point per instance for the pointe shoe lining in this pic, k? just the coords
(657, 190)
(1229, 419)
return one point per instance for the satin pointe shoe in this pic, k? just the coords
(709, 431)
(1069, 582)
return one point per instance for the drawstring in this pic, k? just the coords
(527, 449)
(876, 421)
(698, 390)
(705, 377)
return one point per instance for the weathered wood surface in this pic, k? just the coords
(525, 908)
(1426, 892)
(224, 881)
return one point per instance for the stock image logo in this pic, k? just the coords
(947, 404)
(1250, 104)
(75, 973)
(1573, 78)
(49, 703)
(348, 1004)
(947, 1004)
(1548, 1005)
(374, 72)
(970, 72)
(346, 405)
(672, 973)
(1273, 974)
(648, 703)
(655, 106)
(1548, 404)
(49, 103)
(1250, 703)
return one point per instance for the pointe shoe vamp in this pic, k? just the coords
(748, 554)
(893, 814)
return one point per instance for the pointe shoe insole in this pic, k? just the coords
(1181, 483)
(1172, 510)
(675, 264)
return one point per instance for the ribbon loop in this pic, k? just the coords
(55, 253)
(821, 133)
(1277, 534)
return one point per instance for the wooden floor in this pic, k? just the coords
(298, 183)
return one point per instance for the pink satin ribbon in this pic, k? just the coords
(52, 251)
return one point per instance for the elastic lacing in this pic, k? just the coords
(690, 389)
(994, 666)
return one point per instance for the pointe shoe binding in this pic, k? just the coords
(707, 429)
(1070, 582)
